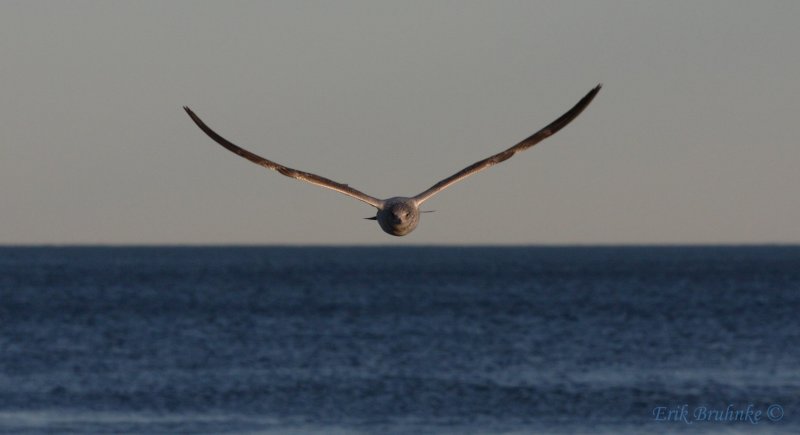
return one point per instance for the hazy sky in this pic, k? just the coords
(695, 137)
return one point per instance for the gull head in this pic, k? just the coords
(398, 216)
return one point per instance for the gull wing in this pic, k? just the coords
(537, 137)
(289, 172)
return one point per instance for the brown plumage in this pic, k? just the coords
(399, 215)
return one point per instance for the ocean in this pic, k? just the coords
(389, 340)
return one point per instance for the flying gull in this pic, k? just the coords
(399, 215)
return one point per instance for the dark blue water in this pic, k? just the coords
(400, 340)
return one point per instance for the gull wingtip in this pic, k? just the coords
(589, 97)
(194, 117)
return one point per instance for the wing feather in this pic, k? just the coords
(289, 172)
(502, 156)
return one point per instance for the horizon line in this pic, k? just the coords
(430, 245)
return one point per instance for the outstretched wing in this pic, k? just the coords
(289, 172)
(537, 137)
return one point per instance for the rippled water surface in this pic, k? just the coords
(399, 340)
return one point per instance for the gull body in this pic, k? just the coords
(399, 215)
